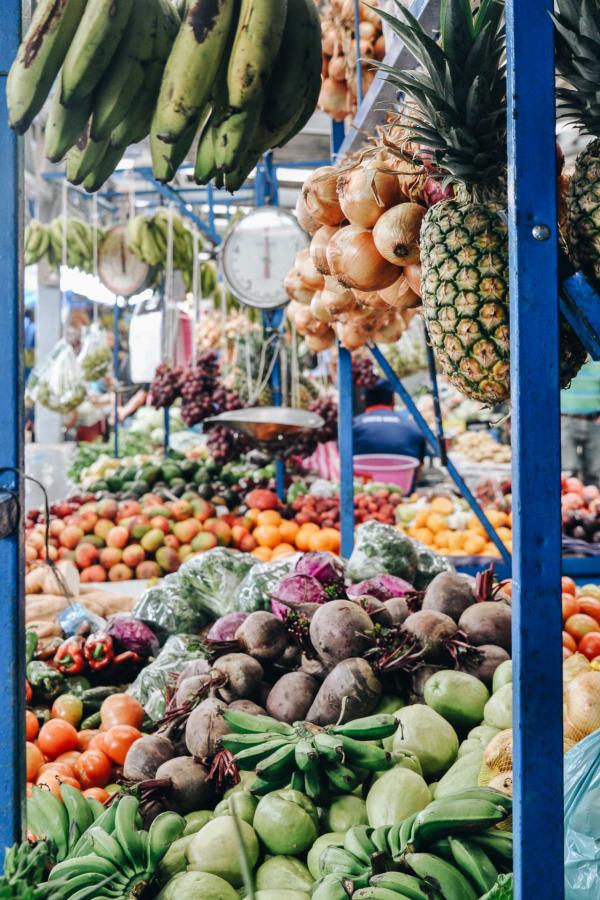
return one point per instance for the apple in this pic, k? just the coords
(117, 537)
(94, 573)
(133, 555)
(86, 555)
(120, 572)
(237, 533)
(150, 500)
(154, 539)
(102, 527)
(92, 539)
(148, 569)
(70, 536)
(36, 539)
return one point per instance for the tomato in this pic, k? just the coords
(28, 692)
(98, 794)
(569, 642)
(68, 759)
(570, 606)
(56, 737)
(32, 726)
(69, 708)
(121, 709)
(93, 769)
(118, 740)
(84, 737)
(53, 780)
(568, 586)
(590, 606)
(579, 625)
(59, 768)
(97, 742)
(35, 760)
(589, 644)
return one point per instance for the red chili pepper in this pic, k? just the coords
(69, 658)
(99, 651)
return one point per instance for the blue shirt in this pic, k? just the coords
(387, 431)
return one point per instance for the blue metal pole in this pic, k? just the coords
(434, 444)
(346, 449)
(534, 345)
(12, 634)
(338, 132)
(272, 322)
(116, 367)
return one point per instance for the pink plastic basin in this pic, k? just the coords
(390, 468)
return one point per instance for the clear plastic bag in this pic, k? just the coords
(582, 819)
(57, 383)
(150, 687)
(95, 356)
(255, 592)
(210, 583)
(382, 549)
(162, 608)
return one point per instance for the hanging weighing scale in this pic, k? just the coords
(120, 270)
(258, 253)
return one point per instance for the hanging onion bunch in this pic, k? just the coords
(361, 275)
(338, 96)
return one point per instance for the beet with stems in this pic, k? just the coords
(292, 696)
(376, 610)
(187, 787)
(488, 660)
(398, 609)
(489, 622)
(205, 726)
(146, 756)
(244, 675)
(437, 636)
(248, 706)
(340, 630)
(350, 691)
(263, 636)
(450, 593)
(189, 688)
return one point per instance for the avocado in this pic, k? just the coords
(149, 473)
(188, 469)
(169, 471)
(178, 489)
(201, 477)
(128, 474)
(98, 486)
(114, 483)
(138, 488)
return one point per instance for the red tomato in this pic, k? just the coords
(32, 726)
(53, 780)
(59, 768)
(35, 760)
(98, 794)
(570, 606)
(569, 642)
(56, 737)
(590, 606)
(93, 769)
(589, 644)
(121, 709)
(68, 759)
(580, 624)
(69, 708)
(568, 586)
(97, 742)
(118, 740)
(85, 737)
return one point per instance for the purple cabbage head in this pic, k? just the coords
(327, 569)
(130, 633)
(382, 587)
(294, 590)
(224, 629)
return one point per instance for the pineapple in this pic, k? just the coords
(459, 127)
(577, 53)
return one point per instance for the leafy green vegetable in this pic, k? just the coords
(150, 687)
(382, 549)
(502, 890)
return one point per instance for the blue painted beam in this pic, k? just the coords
(435, 446)
(12, 634)
(534, 345)
(171, 194)
(346, 449)
(580, 305)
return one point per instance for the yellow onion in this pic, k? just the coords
(305, 267)
(337, 68)
(347, 11)
(333, 99)
(292, 310)
(318, 248)
(319, 309)
(329, 40)
(337, 303)
(397, 232)
(320, 194)
(368, 30)
(391, 331)
(359, 330)
(355, 261)
(368, 77)
(317, 328)
(371, 299)
(318, 343)
(303, 319)
(332, 284)
(582, 707)
(412, 274)
(365, 194)
(305, 220)
(379, 48)
(296, 289)
(400, 295)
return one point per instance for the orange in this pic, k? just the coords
(268, 517)
(253, 514)
(262, 553)
(490, 549)
(474, 525)
(303, 538)
(474, 544)
(288, 530)
(424, 535)
(456, 540)
(435, 522)
(442, 538)
(282, 550)
(267, 536)
(328, 540)
(421, 518)
(504, 533)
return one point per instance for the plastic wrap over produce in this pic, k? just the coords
(582, 819)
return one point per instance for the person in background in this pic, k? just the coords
(382, 429)
(580, 425)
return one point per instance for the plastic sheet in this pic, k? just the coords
(582, 819)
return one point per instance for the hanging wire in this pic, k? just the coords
(168, 293)
(63, 264)
(196, 285)
(95, 248)
(274, 342)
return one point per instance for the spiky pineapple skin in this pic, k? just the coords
(464, 277)
(583, 213)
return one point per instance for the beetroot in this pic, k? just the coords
(205, 726)
(450, 593)
(485, 664)
(263, 636)
(187, 785)
(382, 587)
(432, 631)
(224, 629)
(340, 630)
(398, 610)
(291, 697)
(145, 756)
(350, 691)
(488, 623)
(244, 676)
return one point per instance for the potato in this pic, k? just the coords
(340, 630)
(244, 675)
(292, 696)
(351, 687)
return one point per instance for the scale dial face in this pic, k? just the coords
(258, 253)
(120, 270)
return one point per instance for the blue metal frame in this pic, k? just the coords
(116, 367)
(534, 348)
(12, 634)
(170, 194)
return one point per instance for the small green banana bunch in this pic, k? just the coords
(37, 242)
(451, 846)
(317, 761)
(114, 857)
(147, 237)
(61, 824)
(48, 240)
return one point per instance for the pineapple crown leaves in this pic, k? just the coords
(577, 24)
(459, 95)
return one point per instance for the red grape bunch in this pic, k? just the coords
(165, 388)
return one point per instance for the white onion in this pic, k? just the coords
(338, 303)
(397, 232)
(319, 309)
(365, 194)
(354, 260)
(320, 195)
(400, 295)
(305, 220)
